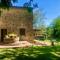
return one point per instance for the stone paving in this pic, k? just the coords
(16, 45)
(24, 44)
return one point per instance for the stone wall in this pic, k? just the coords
(16, 18)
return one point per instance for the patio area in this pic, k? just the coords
(23, 44)
(16, 44)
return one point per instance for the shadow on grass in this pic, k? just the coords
(31, 53)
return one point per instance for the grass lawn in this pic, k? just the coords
(31, 53)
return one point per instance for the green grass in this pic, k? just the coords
(31, 53)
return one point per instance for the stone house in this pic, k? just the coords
(16, 20)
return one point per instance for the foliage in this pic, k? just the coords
(56, 28)
(6, 3)
(30, 6)
(30, 53)
(49, 31)
(38, 18)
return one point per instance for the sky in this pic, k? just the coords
(50, 7)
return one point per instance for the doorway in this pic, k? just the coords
(22, 31)
(3, 33)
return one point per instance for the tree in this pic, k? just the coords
(38, 14)
(49, 31)
(38, 18)
(56, 28)
(6, 3)
(30, 6)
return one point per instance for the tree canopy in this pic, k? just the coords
(56, 27)
(6, 3)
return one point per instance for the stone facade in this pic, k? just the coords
(17, 20)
